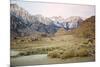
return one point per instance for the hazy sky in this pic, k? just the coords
(64, 10)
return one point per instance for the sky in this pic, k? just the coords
(56, 9)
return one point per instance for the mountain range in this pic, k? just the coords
(24, 24)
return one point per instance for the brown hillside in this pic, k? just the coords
(61, 31)
(87, 28)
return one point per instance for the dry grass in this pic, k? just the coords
(62, 47)
(55, 53)
(82, 52)
(68, 53)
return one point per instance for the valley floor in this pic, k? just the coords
(37, 52)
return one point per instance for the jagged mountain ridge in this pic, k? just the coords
(23, 23)
(69, 23)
